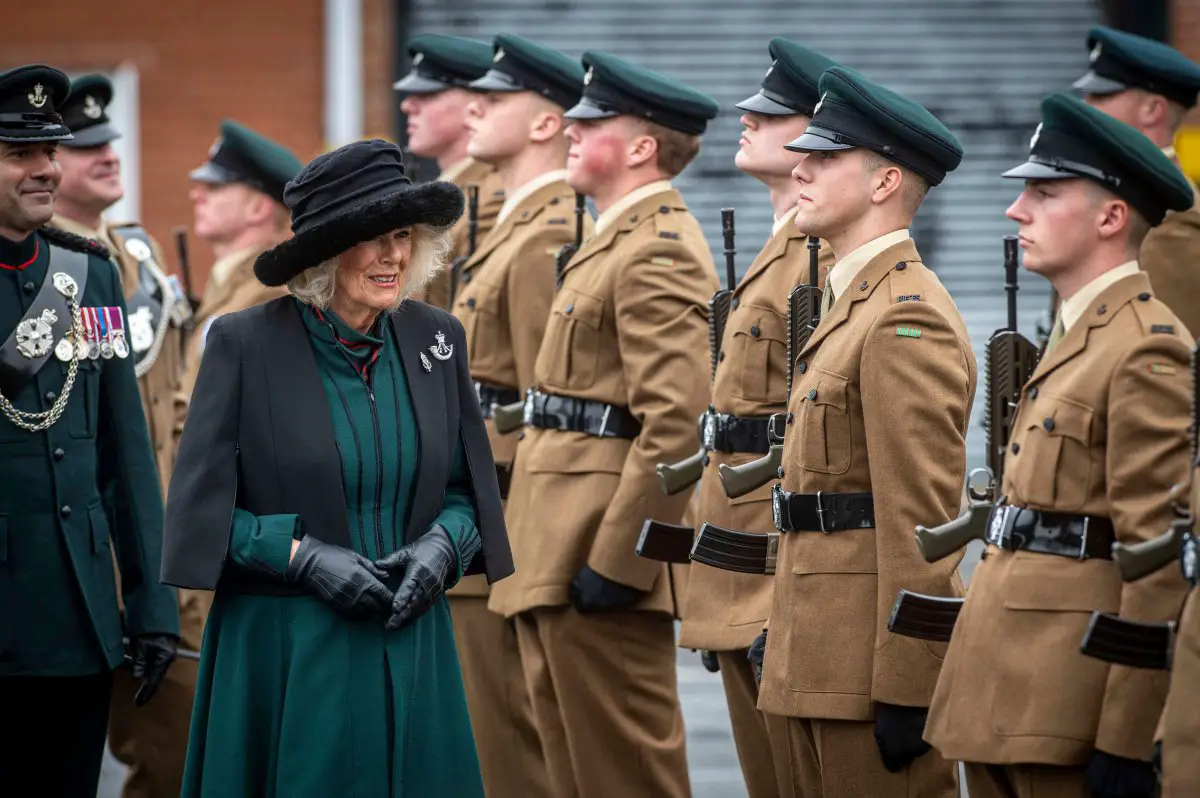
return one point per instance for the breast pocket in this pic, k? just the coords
(479, 313)
(570, 350)
(1052, 466)
(83, 406)
(825, 424)
(759, 344)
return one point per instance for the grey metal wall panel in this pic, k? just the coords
(980, 66)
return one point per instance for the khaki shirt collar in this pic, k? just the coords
(451, 172)
(223, 269)
(787, 218)
(844, 271)
(619, 207)
(1073, 308)
(528, 190)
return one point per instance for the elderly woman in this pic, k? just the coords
(334, 479)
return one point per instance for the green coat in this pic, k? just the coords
(295, 700)
(72, 493)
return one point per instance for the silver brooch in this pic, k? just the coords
(425, 364)
(442, 351)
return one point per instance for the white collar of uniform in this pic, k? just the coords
(846, 269)
(618, 208)
(1073, 308)
(223, 268)
(451, 172)
(528, 190)
(787, 218)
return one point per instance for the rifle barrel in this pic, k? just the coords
(1010, 279)
(730, 251)
(185, 267)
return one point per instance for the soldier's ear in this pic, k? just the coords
(642, 148)
(546, 126)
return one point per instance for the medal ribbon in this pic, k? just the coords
(89, 324)
(103, 320)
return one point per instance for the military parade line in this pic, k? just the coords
(554, 434)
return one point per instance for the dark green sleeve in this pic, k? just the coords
(458, 513)
(128, 481)
(262, 543)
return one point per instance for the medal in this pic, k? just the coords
(117, 324)
(65, 284)
(106, 348)
(35, 336)
(64, 350)
(93, 335)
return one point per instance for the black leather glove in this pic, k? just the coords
(347, 581)
(425, 563)
(1111, 776)
(591, 592)
(152, 655)
(898, 733)
(710, 662)
(756, 655)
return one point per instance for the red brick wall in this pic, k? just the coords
(1185, 35)
(257, 61)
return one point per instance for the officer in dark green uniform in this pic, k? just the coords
(77, 476)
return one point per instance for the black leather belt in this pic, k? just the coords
(1080, 537)
(504, 478)
(547, 411)
(1189, 560)
(734, 434)
(492, 395)
(821, 512)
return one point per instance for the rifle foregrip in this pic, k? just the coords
(1142, 559)
(507, 419)
(677, 477)
(941, 541)
(747, 478)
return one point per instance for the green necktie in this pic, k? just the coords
(1056, 334)
(827, 299)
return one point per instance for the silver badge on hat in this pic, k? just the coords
(418, 58)
(499, 54)
(35, 336)
(587, 78)
(138, 249)
(820, 102)
(1036, 134)
(770, 69)
(442, 351)
(91, 108)
(1095, 54)
(37, 97)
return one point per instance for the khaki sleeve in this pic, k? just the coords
(1149, 412)
(916, 393)
(662, 330)
(530, 289)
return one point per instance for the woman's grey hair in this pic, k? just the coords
(430, 250)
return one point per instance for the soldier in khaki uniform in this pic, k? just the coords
(724, 611)
(504, 301)
(237, 198)
(1151, 86)
(150, 740)
(876, 442)
(436, 94)
(1099, 439)
(620, 377)
(1179, 728)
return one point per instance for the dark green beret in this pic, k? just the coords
(614, 87)
(854, 112)
(241, 155)
(86, 112)
(1123, 61)
(522, 65)
(790, 85)
(1075, 140)
(444, 62)
(30, 99)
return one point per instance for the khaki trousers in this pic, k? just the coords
(510, 752)
(840, 759)
(152, 740)
(1025, 781)
(606, 703)
(761, 739)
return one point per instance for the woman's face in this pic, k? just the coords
(370, 274)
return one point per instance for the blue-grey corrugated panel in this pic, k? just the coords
(982, 66)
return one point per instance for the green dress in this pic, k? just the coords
(297, 701)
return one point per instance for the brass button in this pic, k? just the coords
(812, 395)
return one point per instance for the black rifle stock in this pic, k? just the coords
(568, 250)
(665, 542)
(924, 617)
(1010, 361)
(731, 550)
(1131, 643)
(472, 233)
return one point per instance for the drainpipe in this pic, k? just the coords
(343, 72)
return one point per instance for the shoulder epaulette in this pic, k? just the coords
(905, 284)
(74, 242)
(667, 224)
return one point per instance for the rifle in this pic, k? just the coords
(678, 477)
(472, 234)
(1131, 643)
(185, 267)
(924, 617)
(804, 314)
(1010, 361)
(568, 250)
(731, 550)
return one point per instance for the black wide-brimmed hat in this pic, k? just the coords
(354, 194)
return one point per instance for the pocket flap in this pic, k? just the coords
(1061, 417)
(1057, 584)
(576, 453)
(761, 323)
(581, 307)
(827, 389)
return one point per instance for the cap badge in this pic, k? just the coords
(770, 70)
(1095, 54)
(418, 58)
(1036, 134)
(820, 102)
(587, 79)
(442, 351)
(216, 146)
(499, 55)
(91, 108)
(37, 97)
